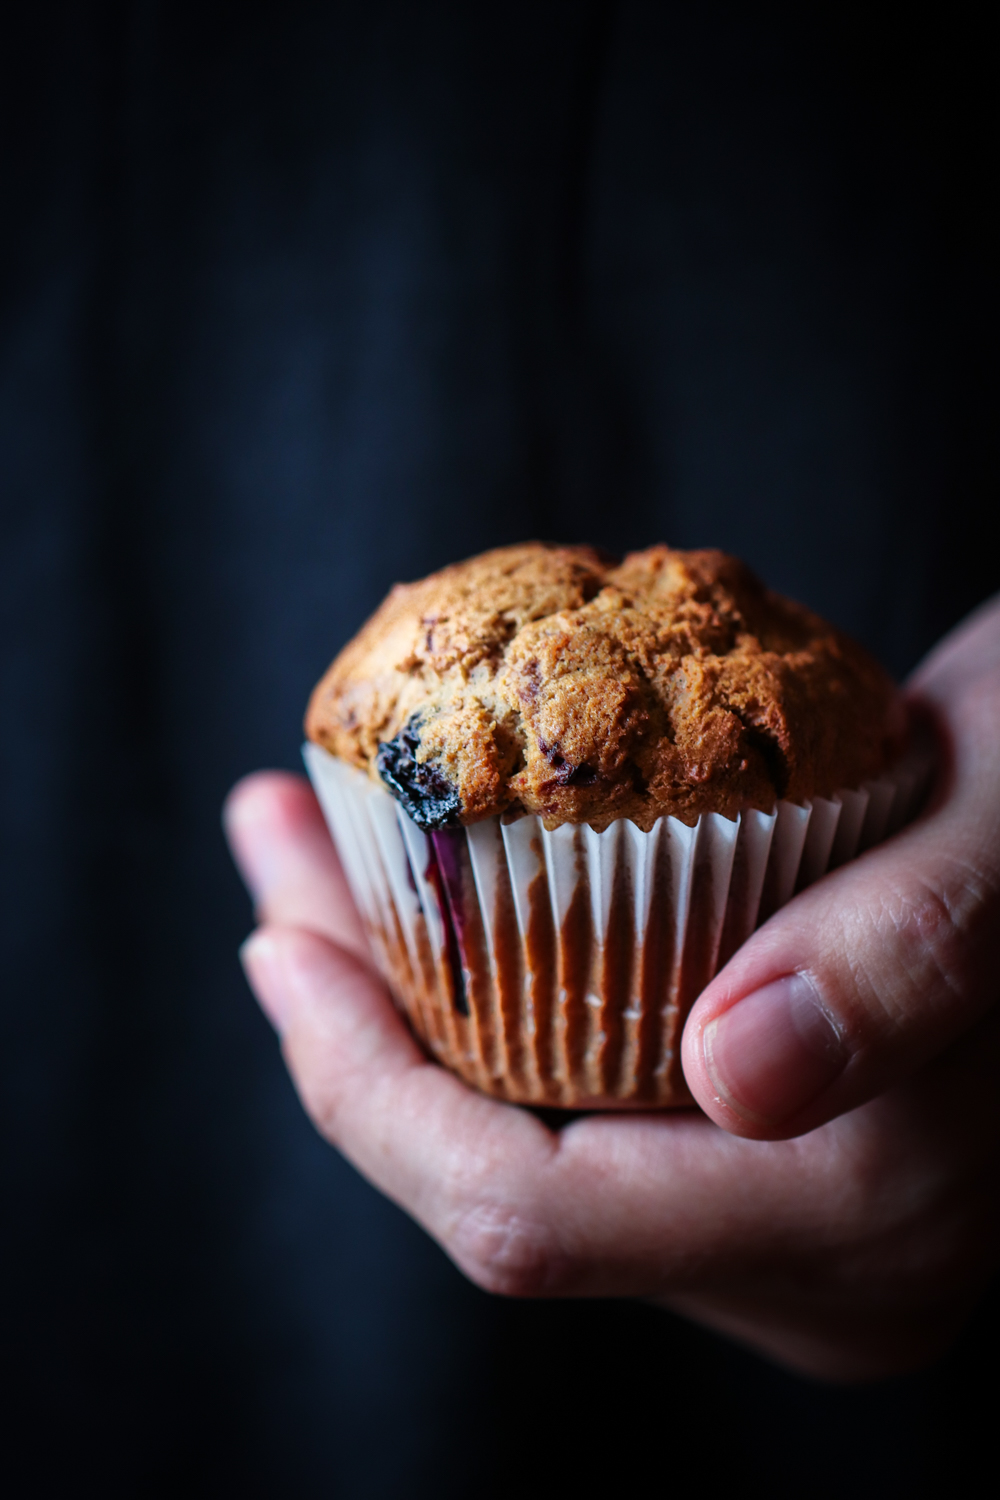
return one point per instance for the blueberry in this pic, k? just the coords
(567, 774)
(420, 787)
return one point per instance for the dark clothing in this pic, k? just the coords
(299, 300)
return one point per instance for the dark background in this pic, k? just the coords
(300, 299)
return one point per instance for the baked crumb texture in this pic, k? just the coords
(543, 679)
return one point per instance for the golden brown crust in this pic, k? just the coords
(547, 679)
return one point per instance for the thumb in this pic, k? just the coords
(877, 968)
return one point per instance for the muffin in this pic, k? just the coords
(565, 789)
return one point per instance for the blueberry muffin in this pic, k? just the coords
(605, 775)
(548, 680)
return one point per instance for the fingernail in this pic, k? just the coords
(265, 971)
(774, 1052)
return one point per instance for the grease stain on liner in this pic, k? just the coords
(557, 968)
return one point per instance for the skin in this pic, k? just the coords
(834, 1202)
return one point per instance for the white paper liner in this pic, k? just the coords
(558, 967)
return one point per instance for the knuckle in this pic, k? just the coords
(933, 936)
(320, 1092)
(321, 1107)
(506, 1252)
(937, 925)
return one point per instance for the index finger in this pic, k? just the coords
(282, 848)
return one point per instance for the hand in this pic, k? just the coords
(835, 1206)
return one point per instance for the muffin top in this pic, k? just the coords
(550, 680)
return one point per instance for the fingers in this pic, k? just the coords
(460, 1163)
(880, 966)
(283, 850)
(610, 1205)
(782, 1244)
(417, 1132)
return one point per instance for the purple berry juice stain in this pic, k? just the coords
(444, 876)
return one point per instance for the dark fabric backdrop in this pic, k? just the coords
(301, 299)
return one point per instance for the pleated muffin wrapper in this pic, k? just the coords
(558, 968)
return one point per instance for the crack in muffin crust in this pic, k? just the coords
(551, 680)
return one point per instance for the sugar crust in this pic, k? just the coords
(549, 680)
